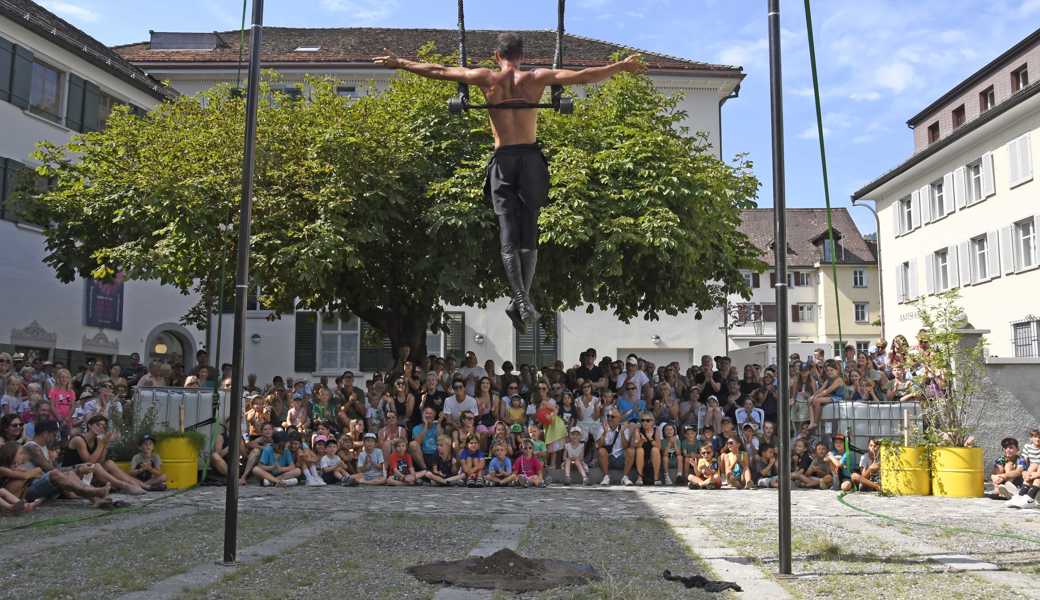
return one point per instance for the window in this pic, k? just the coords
(537, 347)
(933, 133)
(837, 349)
(46, 92)
(752, 280)
(859, 278)
(973, 172)
(980, 258)
(987, 99)
(862, 346)
(347, 91)
(1019, 79)
(1025, 243)
(828, 249)
(802, 313)
(903, 291)
(1024, 339)
(798, 279)
(906, 215)
(959, 116)
(339, 338)
(861, 312)
(941, 270)
(937, 197)
(105, 105)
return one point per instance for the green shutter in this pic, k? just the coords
(91, 107)
(455, 337)
(305, 356)
(74, 106)
(537, 347)
(21, 77)
(376, 349)
(3, 188)
(6, 64)
(12, 172)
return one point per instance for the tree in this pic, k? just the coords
(375, 206)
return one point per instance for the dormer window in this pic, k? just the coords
(831, 248)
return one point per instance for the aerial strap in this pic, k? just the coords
(823, 162)
(557, 90)
(463, 56)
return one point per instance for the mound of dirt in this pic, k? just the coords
(505, 570)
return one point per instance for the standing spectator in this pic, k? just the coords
(471, 373)
(458, 403)
(633, 376)
(153, 378)
(590, 372)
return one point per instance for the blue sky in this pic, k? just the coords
(880, 61)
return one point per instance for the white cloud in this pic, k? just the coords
(810, 133)
(593, 4)
(745, 53)
(363, 11)
(1029, 7)
(895, 76)
(869, 96)
(70, 11)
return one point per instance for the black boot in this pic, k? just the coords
(515, 310)
(528, 262)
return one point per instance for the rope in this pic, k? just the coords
(1002, 535)
(241, 47)
(463, 56)
(823, 162)
(557, 90)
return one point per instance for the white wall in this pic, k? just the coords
(991, 305)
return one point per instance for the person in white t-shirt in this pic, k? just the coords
(635, 375)
(471, 373)
(458, 403)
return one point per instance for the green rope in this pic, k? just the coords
(98, 515)
(1001, 535)
(241, 45)
(823, 162)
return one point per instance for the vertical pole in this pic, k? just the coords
(241, 285)
(780, 239)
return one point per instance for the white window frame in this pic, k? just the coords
(62, 91)
(340, 332)
(806, 313)
(859, 278)
(863, 346)
(973, 182)
(1025, 239)
(865, 307)
(937, 199)
(987, 99)
(906, 215)
(1019, 79)
(941, 270)
(979, 248)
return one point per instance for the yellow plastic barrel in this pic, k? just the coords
(180, 462)
(904, 471)
(958, 472)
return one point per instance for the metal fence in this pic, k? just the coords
(861, 421)
(182, 407)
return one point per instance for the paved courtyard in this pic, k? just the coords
(297, 542)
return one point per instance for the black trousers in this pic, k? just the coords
(517, 185)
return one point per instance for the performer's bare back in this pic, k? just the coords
(513, 126)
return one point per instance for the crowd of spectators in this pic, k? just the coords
(709, 426)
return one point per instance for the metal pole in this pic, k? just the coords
(241, 285)
(880, 279)
(780, 239)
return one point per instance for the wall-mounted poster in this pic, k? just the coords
(104, 302)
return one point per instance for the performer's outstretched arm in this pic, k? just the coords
(434, 71)
(631, 64)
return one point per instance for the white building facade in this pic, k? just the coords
(964, 211)
(309, 345)
(56, 81)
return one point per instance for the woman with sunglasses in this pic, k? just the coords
(736, 467)
(11, 428)
(512, 388)
(467, 427)
(648, 450)
(404, 401)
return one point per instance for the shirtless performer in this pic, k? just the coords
(517, 180)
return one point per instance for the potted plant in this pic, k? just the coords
(950, 368)
(129, 428)
(179, 451)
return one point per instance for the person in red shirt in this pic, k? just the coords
(400, 469)
(527, 466)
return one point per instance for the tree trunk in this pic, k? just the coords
(408, 330)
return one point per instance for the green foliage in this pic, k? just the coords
(129, 428)
(951, 370)
(197, 439)
(375, 205)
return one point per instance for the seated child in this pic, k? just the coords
(400, 466)
(534, 433)
(527, 467)
(1008, 470)
(331, 465)
(277, 465)
(574, 453)
(516, 414)
(763, 467)
(1027, 492)
(869, 475)
(800, 461)
(500, 435)
(818, 474)
(472, 458)
(371, 469)
(444, 468)
(690, 447)
(500, 469)
(307, 459)
(736, 470)
(145, 466)
(671, 454)
(703, 470)
(841, 477)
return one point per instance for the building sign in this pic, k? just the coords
(105, 303)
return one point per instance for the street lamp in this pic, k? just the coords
(877, 243)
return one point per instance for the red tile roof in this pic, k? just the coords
(803, 226)
(359, 45)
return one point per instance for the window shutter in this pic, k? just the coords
(1014, 162)
(912, 292)
(91, 106)
(769, 313)
(455, 338)
(988, 183)
(6, 64)
(925, 194)
(900, 290)
(898, 214)
(74, 105)
(992, 255)
(772, 279)
(21, 77)
(755, 281)
(794, 313)
(952, 194)
(929, 273)
(1025, 158)
(3, 187)
(915, 210)
(1007, 249)
(305, 355)
(953, 266)
(966, 259)
(960, 186)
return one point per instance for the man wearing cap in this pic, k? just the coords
(51, 481)
(590, 372)
(635, 376)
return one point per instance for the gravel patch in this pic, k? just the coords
(130, 559)
(363, 559)
(829, 559)
(628, 554)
